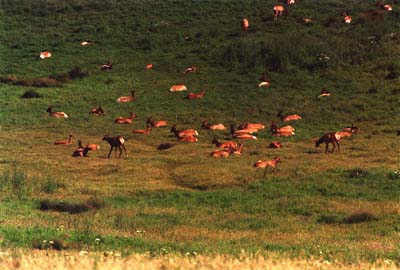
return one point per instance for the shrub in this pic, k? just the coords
(72, 208)
(357, 173)
(359, 217)
(31, 94)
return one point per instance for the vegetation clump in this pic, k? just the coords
(31, 94)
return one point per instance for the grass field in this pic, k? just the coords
(342, 206)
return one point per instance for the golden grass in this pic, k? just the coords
(38, 260)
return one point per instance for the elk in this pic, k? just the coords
(248, 125)
(184, 133)
(245, 24)
(207, 125)
(64, 142)
(56, 114)
(278, 11)
(288, 118)
(196, 96)
(128, 98)
(290, 2)
(351, 129)
(191, 69)
(178, 88)
(156, 124)
(283, 131)
(264, 84)
(186, 139)
(116, 142)
(307, 20)
(245, 136)
(149, 66)
(267, 163)
(92, 146)
(386, 7)
(275, 144)
(107, 66)
(332, 137)
(221, 153)
(143, 131)
(81, 151)
(347, 18)
(238, 150)
(125, 120)
(86, 43)
(324, 93)
(97, 111)
(45, 54)
(242, 131)
(228, 144)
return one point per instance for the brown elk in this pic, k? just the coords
(64, 142)
(245, 24)
(267, 163)
(184, 133)
(125, 120)
(346, 18)
(248, 125)
(228, 144)
(149, 66)
(333, 138)
(324, 93)
(116, 142)
(290, 2)
(97, 111)
(275, 144)
(107, 66)
(351, 129)
(207, 125)
(191, 69)
(127, 98)
(45, 54)
(242, 131)
(196, 96)
(143, 131)
(221, 153)
(81, 151)
(288, 118)
(156, 124)
(283, 131)
(92, 146)
(278, 11)
(56, 114)
(386, 7)
(86, 43)
(238, 150)
(178, 88)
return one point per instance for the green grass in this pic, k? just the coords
(180, 199)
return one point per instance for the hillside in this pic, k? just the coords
(341, 206)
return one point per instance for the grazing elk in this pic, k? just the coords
(288, 118)
(228, 144)
(184, 132)
(97, 111)
(115, 142)
(207, 125)
(45, 54)
(125, 120)
(178, 88)
(333, 138)
(245, 24)
(56, 114)
(128, 98)
(191, 69)
(267, 163)
(107, 66)
(196, 96)
(156, 124)
(278, 11)
(64, 142)
(283, 131)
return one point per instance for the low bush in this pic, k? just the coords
(31, 94)
(359, 217)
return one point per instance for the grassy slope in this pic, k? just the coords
(183, 199)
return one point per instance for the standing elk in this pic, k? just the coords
(115, 142)
(156, 124)
(64, 142)
(346, 18)
(196, 96)
(267, 163)
(245, 24)
(125, 120)
(333, 138)
(127, 98)
(56, 114)
(278, 11)
(207, 125)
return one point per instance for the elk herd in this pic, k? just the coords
(238, 133)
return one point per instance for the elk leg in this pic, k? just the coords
(120, 151)
(123, 147)
(109, 153)
(334, 146)
(326, 148)
(338, 146)
(115, 152)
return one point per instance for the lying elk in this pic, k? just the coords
(115, 142)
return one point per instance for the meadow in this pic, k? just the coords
(337, 207)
